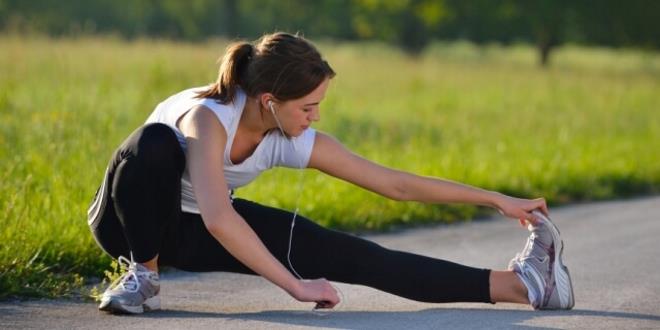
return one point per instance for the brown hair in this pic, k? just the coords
(286, 65)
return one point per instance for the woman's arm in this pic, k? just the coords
(206, 138)
(331, 157)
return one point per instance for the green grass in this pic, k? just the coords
(587, 128)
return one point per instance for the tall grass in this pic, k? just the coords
(586, 128)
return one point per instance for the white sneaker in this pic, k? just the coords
(134, 292)
(540, 267)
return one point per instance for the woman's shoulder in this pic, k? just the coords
(226, 113)
(214, 104)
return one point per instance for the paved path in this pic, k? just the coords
(612, 249)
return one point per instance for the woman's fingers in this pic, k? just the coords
(529, 218)
(523, 209)
(319, 291)
(324, 304)
(540, 204)
(537, 204)
(331, 298)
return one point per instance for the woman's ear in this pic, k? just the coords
(265, 99)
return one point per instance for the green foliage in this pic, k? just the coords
(409, 24)
(110, 277)
(485, 115)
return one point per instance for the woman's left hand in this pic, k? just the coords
(521, 209)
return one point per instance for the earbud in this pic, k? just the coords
(277, 120)
(270, 105)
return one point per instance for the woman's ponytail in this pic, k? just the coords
(232, 72)
(286, 65)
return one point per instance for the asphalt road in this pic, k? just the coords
(611, 248)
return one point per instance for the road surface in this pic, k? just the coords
(611, 248)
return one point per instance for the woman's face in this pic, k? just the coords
(297, 115)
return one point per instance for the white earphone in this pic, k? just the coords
(295, 213)
(270, 105)
(277, 120)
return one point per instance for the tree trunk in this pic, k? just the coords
(544, 53)
(546, 41)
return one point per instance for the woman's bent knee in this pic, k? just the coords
(155, 144)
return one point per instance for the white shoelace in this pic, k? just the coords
(128, 281)
(526, 252)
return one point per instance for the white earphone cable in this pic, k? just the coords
(297, 205)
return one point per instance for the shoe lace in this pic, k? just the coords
(128, 281)
(532, 241)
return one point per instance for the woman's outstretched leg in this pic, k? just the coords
(320, 252)
(347, 258)
(505, 286)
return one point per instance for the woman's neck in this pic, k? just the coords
(253, 121)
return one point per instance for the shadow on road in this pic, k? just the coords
(403, 319)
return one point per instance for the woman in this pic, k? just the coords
(257, 116)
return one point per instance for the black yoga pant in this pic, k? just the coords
(137, 209)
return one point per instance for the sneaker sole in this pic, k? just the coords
(115, 307)
(562, 276)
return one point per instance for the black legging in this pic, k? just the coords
(137, 210)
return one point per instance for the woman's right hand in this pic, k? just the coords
(319, 291)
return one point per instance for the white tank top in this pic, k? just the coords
(274, 150)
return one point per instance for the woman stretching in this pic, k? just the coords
(166, 198)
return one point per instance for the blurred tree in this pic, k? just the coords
(232, 17)
(411, 24)
(546, 19)
(539, 21)
(618, 23)
(407, 23)
(603, 22)
(323, 18)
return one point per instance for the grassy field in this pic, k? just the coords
(586, 128)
